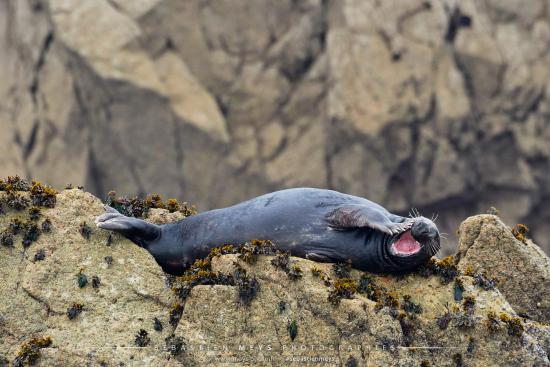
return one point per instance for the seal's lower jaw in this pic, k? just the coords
(405, 245)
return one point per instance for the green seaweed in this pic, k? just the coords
(458, 290)
(81, 279)
(292, 328)
(157, 324)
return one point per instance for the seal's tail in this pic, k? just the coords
(136, 230)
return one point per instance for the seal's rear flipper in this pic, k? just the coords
(136, 230)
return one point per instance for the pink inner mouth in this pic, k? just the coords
(406, 245)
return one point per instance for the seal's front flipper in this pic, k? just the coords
(356, 216)
(136, 230)
(317, 257)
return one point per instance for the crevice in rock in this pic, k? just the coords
(48, 40)
(114, 5)
(462, 255)
(457, 20)
(469, 85)
(222, 106)
(409, 164)
(407, 332)
(299, 70)
(37, 6)
(521, 114)
(49, 310)
(29, 146)
(94, 176)
(151, 298)
(180, 154)
(425, 6)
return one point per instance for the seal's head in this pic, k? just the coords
(422, 239)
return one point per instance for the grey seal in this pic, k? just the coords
(316, 224)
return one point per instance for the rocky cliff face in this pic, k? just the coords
(440, 105)
(73, 295)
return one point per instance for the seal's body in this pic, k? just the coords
(321, 225)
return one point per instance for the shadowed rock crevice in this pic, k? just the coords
(457, 20)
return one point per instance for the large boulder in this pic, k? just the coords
(520, 267)
(37, 294)
(270, 315)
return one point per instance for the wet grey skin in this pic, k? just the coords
(320, 225)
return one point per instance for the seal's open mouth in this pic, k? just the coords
(406, 245)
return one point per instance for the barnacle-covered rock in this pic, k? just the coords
(520, 268)
(41, 296)
(240, 304)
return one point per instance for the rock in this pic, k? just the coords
(520, 267)
(160, 216)
(391, 321)
(131, 294)
(441, 105)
